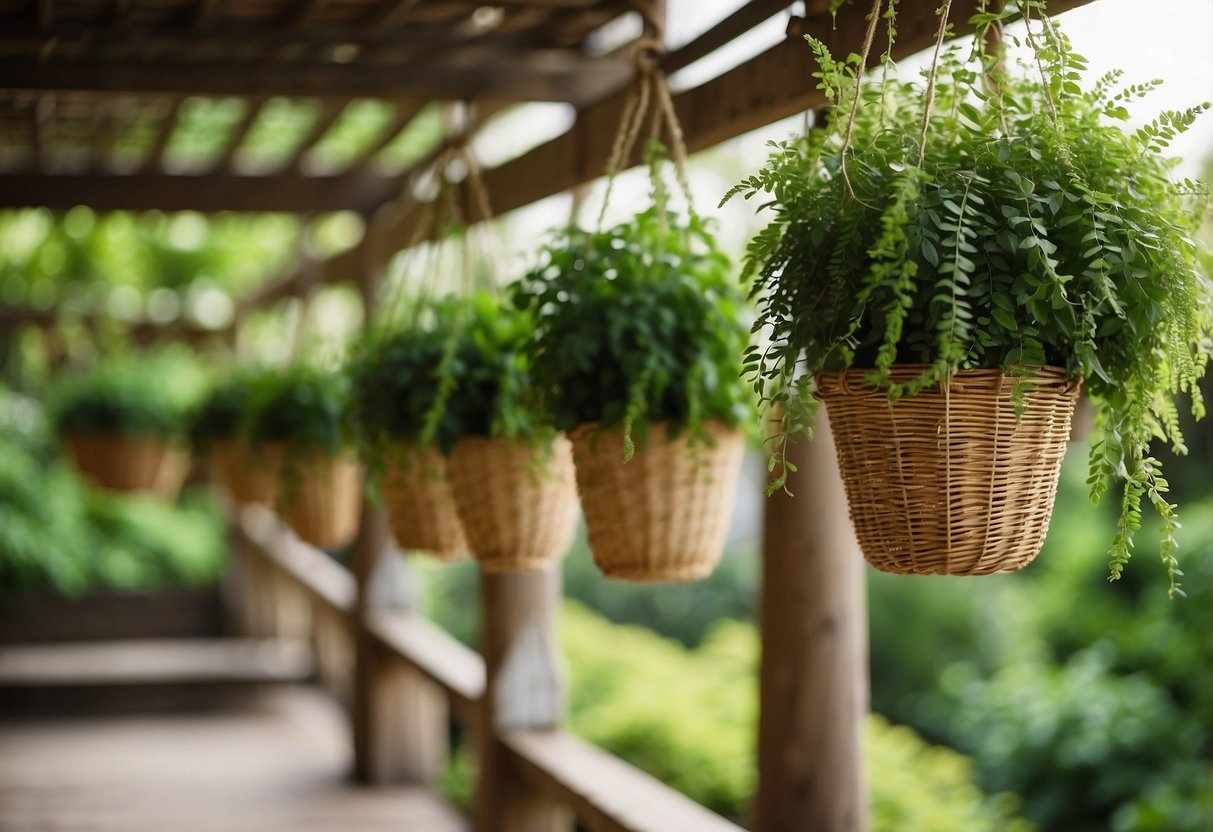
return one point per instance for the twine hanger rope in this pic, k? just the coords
(650, 89)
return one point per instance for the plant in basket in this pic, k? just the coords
(948, 259)
(639, 334)
(298, 424)
(122, 421)
(511, 473)
(218, 431)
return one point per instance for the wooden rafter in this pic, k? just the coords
(206, 13)
(487, 74)
(308, 13)
(329, 112)
(104, 127)
(252, 108)
(46, 14)
(154, 161)
(207, 193)
(390, 13)
(403, 114)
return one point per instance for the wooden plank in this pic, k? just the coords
(46, 14)
(160, 614)
(486, 73)
(159, 662)
(814, 671)
(316, 573)
(403, 115)
(239, 130)
(206, 193)
(307, 13)
(329, 112)
(436, 654)
(605, 793)
(154, 161)
(206, 13)
(747, 16)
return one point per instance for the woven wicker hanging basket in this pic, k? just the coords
(320, 495)
(517, 502)
(949, 481)
(420, 507)
(247, 473)
(664, 514)
(129, 465)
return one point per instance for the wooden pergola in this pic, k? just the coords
(81, 77)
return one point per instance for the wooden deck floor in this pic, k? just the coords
(278, 765)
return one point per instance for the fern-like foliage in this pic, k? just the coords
(1034, 230)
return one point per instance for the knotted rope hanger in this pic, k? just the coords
(650, 89)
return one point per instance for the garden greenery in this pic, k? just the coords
(227, 409)
(993, 214)
(303, 407)
(145, 394)
(640, 323)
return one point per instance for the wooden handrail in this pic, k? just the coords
(435, 654)
(605, 793)
(318, 575)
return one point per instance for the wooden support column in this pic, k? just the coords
(524, 691)
(400, 718)
(814, 677)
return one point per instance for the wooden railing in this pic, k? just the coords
(533, 776)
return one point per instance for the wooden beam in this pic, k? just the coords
(104, 127)
(329, 112)
(252, 108)
(523, 691)
(46, 14)
(390, 13)
(207, 12)
(813, 675)
(154, 161)
(308, 13)
(540, 75)
(403, 115)
(206, 193)
(738, 23)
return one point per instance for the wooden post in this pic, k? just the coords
(523, 691)
(814, 677)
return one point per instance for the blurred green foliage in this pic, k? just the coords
(303, 406)
(58, 536)
(229, 406)
(132, 393)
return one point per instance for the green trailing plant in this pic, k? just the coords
(989, 215)
(636, 324)
(129, 394)
(304, 407)
(461, 369)
(225, 412)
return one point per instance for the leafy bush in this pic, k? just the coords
(1012, 223)
(641, 323)
(227, 409)
(58, 537)
(137, 394)
(463, 372)
(304, 407)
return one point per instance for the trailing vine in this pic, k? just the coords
(990, 215)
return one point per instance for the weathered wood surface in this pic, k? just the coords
(814, 670)
(176, 613)
(168, 661)
(607, 794)
(316, 573)
(280, 766)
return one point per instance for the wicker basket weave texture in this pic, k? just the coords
(420, 506)
(517, 502)
(323, 498)
(129, 465)
(664, 515)
(950, 481)
(246, 472)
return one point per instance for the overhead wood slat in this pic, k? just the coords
(329, 112)
(207, 11)
(252, 109)
(404, 114)
(154, 161)
(489, 74)
(207, 193)
(46, 13)
(103, 136)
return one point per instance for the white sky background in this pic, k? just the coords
(1167, 39)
